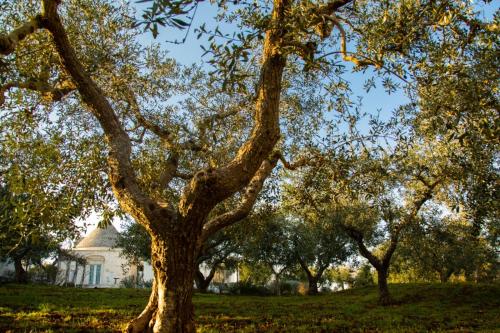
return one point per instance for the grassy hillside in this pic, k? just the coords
(419, 308)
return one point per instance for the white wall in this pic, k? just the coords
(113, 267)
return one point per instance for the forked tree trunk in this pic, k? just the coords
(203, 282)
(383, 289)
(170, 307)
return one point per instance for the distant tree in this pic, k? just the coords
(318, 240)
(268, 242)
(341, 276)
(220, 251)
(443, 246)
(319, 245)
(363, 277)
(135, 242)
(28, 233)
(254, 273)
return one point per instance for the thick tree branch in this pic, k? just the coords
(212, 186)
(357, 236)
(9, 42)
(52, 93)
(247, 201)
(121, 172)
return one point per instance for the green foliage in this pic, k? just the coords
(135, 242)
(438, 248)
(267, 241)
(364, 277)
(342, 276)
(28, 234)
(254, 273)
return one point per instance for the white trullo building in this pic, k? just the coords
(95, 262)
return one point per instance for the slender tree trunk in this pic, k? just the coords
(443, 277)
(73, 279)
(82, 281)
(384, 295)
(20, 273)
(170, 307)
(56, 281)
(278, 283)
(66, 275)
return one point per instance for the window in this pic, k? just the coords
(95, 274)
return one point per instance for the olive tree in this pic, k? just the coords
(178, 226)
(318, 242)
(170, 163)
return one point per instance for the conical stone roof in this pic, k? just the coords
(100, 238)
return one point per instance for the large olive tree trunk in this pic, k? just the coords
(170, 308)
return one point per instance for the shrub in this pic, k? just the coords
(247, 288)
(43, 275)
(128, 282)
(290, 287)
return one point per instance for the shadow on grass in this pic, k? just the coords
(423, 307)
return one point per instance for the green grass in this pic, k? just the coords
(418, 308)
